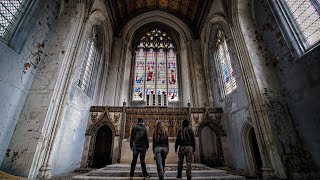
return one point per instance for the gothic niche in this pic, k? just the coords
(210, 133)
(101, 143)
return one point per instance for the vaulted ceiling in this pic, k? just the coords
(192, 12)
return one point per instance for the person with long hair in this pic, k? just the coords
(160, 147)
(186, 142)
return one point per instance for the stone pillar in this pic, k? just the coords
(122, 130)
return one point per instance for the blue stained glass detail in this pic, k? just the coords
(226, 73)
(137, 89)
(139, 80)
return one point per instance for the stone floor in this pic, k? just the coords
(121, 171)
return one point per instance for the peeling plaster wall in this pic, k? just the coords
(75, 116)
(30, 133)
(300, 87)
(74, 112)
(17, 74)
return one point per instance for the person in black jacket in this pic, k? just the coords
(160, 147)
(139, 144)
(186, 143)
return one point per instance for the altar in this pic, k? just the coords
(108, 135)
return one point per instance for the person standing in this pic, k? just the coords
(160, 145)
(186, 142)
(139, 144)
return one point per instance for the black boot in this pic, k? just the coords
(161, 177)
(179, 176)
(188, 178)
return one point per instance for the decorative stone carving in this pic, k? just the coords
(172, 118)
(116, 117)
(94, 117)
(196, 118)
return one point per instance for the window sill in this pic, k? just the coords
(308, 52)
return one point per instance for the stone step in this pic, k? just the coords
(152, 167)
(121, 171)
(233, 177)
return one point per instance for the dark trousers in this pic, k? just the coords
(136, 152)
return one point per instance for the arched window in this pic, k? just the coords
(11, 12)
(90, 64)
(155, 72)
(223, 65)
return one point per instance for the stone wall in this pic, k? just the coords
(17, 71)
(53, 110)
(294, 107)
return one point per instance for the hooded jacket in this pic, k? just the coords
(139, 137)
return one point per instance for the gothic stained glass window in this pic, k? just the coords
(10, 13)
(307, 16)
(155, 73)
(223, 65)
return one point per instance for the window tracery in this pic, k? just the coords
(155, 73)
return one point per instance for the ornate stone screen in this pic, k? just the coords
(172, 118)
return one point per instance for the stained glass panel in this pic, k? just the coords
(151, 72)
(225, 70)
(172, 76)
(161, 73)
(138, 92)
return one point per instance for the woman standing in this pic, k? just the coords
(160, 147)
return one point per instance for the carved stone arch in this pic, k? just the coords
(247, 147)
(186, 52)
(214, 125)
(92, 133)
(248, 133)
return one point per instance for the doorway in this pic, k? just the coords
(255, 153)
(208, 152)
(102, 147)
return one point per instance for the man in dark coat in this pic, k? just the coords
(186, 143)
(139, 144)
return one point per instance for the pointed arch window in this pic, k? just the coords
(155, 72)
(90, 64)
(223, 65)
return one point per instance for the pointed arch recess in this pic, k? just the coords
(185, 50)
(214, 124)
(92, 133)
(248, 148)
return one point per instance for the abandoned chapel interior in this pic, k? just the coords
(75, 75)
